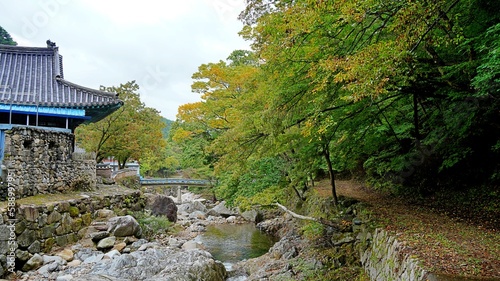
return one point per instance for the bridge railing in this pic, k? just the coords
(174, 181)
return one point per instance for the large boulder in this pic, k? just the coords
(33, 263)
(157, 264)
(124, 226)
(193, 206)
(222, 210)
(252, 216)
(164, 206)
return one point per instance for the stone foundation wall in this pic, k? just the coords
(125, 173)
(40, 161)
(40, 228)
(385, 258)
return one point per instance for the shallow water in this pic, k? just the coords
(230, 243)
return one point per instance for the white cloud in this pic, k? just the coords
(160, 44)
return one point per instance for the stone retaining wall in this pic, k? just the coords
(40, 161)
(125, 173)
(385, 258)
(40, 228)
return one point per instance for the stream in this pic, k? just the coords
(231, 243)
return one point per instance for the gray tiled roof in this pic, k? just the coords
(30, 76)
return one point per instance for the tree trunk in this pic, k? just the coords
(298, 193)
(320, 220)
(295, 215)
(122, 163)
(416, 121)
(331, 173)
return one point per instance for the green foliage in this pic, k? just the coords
(313, 230)
(259, 183)
(260, 175)
(487, 80)
(264, 198)
(167, 128)
(152, 226)
(132, 132)
(404, 93)
(5, 38)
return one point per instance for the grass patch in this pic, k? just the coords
(153, 226)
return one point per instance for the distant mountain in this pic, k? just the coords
(168, 126)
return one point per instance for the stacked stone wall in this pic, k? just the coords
(385, 258)
(44, 227)
(125, 173)
(39, 161)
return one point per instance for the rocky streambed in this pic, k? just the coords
(113, 249)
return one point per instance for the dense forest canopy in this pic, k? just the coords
(401, 93)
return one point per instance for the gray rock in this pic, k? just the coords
(137, 244)
(146, 246)
(66, 277)
(192, 245)
(164, 206)
(22, 255)
(86, 253)
(97, 236)
(197, 227)
(26, 238)
(174, 243)
(222, 210)
(35, 247)
(4, 232)
(126, 260)
(35, 262)
(130, 239)
(252, 216)
(124, 226)
(198, 215)
(74, 263)
(191, 207)
(100, 225)
(286, 248)
(48, 268)
(106, 243)
(53, 259)
(94, 259)
(98, 278)
(105, 214)
(157, 264)
(231, 219)
(112, 254)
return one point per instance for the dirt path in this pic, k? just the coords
(444, 244)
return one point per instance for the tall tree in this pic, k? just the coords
(378, 79)
(132, 132)
(5, 38)
(396, 90)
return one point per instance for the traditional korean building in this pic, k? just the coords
(39, 111)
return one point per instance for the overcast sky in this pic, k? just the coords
(159, 44)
